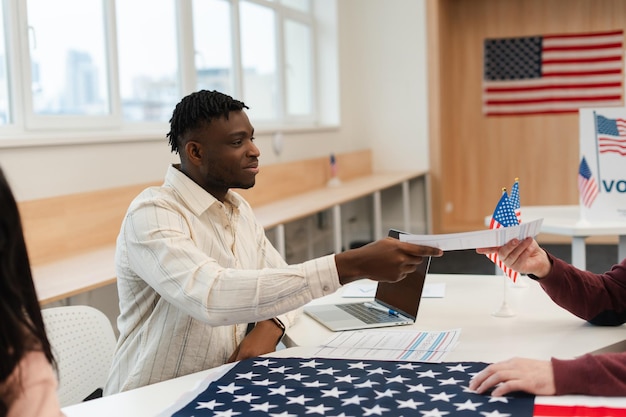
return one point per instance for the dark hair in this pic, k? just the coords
(197, 108)
(21, 325)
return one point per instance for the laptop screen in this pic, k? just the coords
(404, 296)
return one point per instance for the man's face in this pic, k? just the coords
(228, 155)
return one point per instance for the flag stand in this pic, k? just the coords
(505, 310)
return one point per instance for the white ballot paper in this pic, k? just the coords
(480, 239)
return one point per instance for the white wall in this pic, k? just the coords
(383, 107)
(384, 79)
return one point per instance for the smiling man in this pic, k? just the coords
(194, 266)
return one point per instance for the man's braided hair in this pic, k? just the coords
(198, 108)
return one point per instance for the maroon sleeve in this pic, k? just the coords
(597, 298)
(603, 375)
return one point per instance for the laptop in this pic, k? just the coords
(395, 304)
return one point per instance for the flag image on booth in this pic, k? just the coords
(587, 186)
(611, 135)
(602, 166)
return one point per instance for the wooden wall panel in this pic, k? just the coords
(63, 226)
(473, 156)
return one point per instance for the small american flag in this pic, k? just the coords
(553, 73)
(587, 186)
(333, 166)
(503, 216)
(611, 134)
(515, 201)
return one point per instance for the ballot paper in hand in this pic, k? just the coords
(479, 239)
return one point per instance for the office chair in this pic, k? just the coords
(83, 343)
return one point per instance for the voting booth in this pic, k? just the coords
(602, 164)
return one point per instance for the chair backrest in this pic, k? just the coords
(83, 343)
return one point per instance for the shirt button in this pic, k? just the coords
(325, 288)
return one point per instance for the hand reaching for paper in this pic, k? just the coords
(525, 256)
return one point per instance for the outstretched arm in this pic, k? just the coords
(384, 260)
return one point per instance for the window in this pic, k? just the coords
(5, 108)
(258, 61)
(298, 68)
(213, 44)
(147, 60)
(88, 64)
(68, 72)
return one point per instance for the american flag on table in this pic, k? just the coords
(611, 135)
(504, 216)
(293, 387)
(552, 73)
(587, 185)
(515, 200)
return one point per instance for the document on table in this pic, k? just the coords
(479, 239)
(425, 346)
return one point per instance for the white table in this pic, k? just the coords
(539, 330)
(566, 221)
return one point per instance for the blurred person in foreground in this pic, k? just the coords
(598, 298)
(28, 382)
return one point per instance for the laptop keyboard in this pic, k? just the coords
(367, 315)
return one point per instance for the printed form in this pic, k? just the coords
(480, 239)
(424, 346)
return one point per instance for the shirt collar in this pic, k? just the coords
(195, 197)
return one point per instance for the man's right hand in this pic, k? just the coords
(384, 260)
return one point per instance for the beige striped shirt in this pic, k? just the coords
(191, 273)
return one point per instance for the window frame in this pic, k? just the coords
(35, 122)
(27, 128)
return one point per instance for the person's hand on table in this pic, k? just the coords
(262, 339)
(517, 374)
(525, 257)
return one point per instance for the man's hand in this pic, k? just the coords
(517, 374)
(261, 340)
(384, 260)
(525, 257)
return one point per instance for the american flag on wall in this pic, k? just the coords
(504, 216)
(611, 135)
(552, 73)
(294, 387)
(587, 186)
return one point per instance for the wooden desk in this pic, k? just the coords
(539, 330)
(277, 214)
(94, 269)
(59, 280)
(565, 221)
